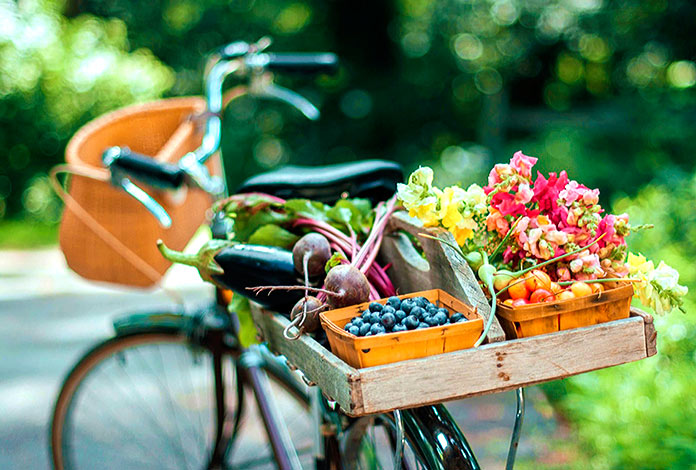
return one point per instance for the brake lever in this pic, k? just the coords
(120, 181)
(146, 200)
(297, 101)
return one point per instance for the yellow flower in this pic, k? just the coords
(451, 201)
(425, 211)
(461, 234)
(639, 264)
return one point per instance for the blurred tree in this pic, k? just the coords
(453, 84)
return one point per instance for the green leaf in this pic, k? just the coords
(245, 224)
(247, 330)
(354, 212)
(306, 208)
(335, 260)
(273, 235)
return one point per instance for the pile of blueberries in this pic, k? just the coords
(397, 315)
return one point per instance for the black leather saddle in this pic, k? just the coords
(372, 179)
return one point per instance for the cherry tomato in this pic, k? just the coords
(581, 289)
(519, 302)
(518, 289)
(565, 295)
(541, 295)
(508, 302)
(537, 279)
(556, 288)
(596, 287)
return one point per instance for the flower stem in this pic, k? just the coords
(506, 238)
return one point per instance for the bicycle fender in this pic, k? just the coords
(149, 322)
(442, 443)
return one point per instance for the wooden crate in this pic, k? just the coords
(491, 368)
(494, 367)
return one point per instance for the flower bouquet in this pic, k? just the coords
(537, 240)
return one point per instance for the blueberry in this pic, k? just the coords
(456, 317)
(365, 313)
(374, 318)
(411, 322)
(357, 321)
(431, 309)
(399, 315)
(369, 333)
(365, 328)
(443, 310)
(388, 320)
(394, 302)
(423, 325)
(388, 309)
(418, 312)
(376, 307)
(347, 327)
(440, 318)
(377, 328)
(421, 302)
(398, 328)
(431, 320)
(407, 305)
(462, 320)
(354, 330)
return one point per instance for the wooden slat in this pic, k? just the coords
(337, 380)
(501, 366)
(412, 273)
(650, 332)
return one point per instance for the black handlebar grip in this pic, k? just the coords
(304, 63)
(157, 174)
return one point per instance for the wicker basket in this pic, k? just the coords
(105, 234)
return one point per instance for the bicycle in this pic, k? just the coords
(180, 380)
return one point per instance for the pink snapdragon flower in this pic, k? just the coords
(523, 164)
(609, 225)
(546, 193)
(498, 173)
(586, 266)
(495, 222)
(575, 191)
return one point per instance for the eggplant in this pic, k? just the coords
(238, 267)
(247, 266)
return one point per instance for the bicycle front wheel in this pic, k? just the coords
(140, 401)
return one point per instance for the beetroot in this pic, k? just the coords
(314, 306)
(313, 251)
(348, 285)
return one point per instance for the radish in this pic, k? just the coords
(310, 254)
(308, 307)
(348, 286)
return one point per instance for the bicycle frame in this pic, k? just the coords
(217, 332)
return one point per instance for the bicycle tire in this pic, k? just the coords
(63, 438)
(432, 441)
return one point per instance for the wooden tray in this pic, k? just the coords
(494, 367)
(491, 368)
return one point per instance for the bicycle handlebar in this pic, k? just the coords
(162, 175)
(303, 63)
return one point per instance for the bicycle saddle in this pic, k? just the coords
(372, 179)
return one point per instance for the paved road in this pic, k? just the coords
(48, 317)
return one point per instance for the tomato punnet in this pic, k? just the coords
(519, 302)
(541, 295)
(518, 289)
(537, 279)
(565, 295)
(581, 289)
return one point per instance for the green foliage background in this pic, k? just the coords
(602, 89)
